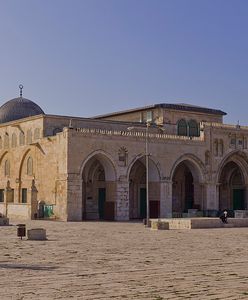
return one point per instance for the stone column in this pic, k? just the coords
(166, 199)
(8, 195)
(199, 195)
(74, 198)
(32, 200)
(122, 199)
(212, 196)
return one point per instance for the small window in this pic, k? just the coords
(14, 140)
(21, 138)
(37, 133)
(24, 195)
(6, 168)
(56, 130)
(12, 193)
(30, 166)
(1, 195)
(149, 116)
(29, 136)
(193, 128)
(6, 141)
(182, 128)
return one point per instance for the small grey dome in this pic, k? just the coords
(18, 108)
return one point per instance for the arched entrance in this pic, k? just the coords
(137, 190)
(232, 187)
(186, 188)
(99, 189)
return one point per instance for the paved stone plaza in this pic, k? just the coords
(104, 260)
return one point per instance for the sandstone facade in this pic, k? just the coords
(94, 168)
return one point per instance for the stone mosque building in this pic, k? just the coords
(73, 168)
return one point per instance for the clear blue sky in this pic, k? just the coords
(90, 57)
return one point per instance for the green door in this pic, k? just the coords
(142, 203)
(101, 202)
(238, 199)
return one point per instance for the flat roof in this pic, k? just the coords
(178, 106)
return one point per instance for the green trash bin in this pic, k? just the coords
(48, 211)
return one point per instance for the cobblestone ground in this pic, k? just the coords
(104, 260)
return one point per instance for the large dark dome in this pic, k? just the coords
(18, 108)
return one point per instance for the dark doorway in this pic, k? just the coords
(101, 202)
(189, 190)
(238, 199)
(142, 203)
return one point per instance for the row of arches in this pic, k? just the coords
(188, 187)
(7, 141)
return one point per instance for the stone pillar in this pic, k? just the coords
(8, 196)
(212, 196)
(166, 199)
(122, 199)
(32, 200)
(74, 198)
(199, 195)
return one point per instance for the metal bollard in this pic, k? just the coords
(21, 230)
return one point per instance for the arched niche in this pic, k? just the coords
(98, 188)
(138, 189)
(232, 182)
(187, 186)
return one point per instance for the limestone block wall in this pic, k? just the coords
(49, 158)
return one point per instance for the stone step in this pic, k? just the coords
(228, 225)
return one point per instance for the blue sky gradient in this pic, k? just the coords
(90, 57)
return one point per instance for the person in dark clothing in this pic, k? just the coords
(223, 217)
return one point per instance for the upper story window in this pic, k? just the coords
(182, 127)
(6, 140)
(21, 138)
(185, 128)
(30, 166)
(14, 140)
(37, 133)
(193, 128)
(7, 168)
(29, 136)
(149, 116)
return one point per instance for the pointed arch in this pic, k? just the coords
(238, 157)
(107, 162)
(195, 165)
(154, 168)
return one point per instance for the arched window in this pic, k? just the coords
(221, 147)
(216, 147)
(14, 140)
(207, 158)
(37, 133)
(193, 128)
(21, 138)
(6, 168)
(182, 127)
(1, 143)
(6, 140)
(29, 136)
(56, 130)
(30, 166)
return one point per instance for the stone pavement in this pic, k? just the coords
(109, 260)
